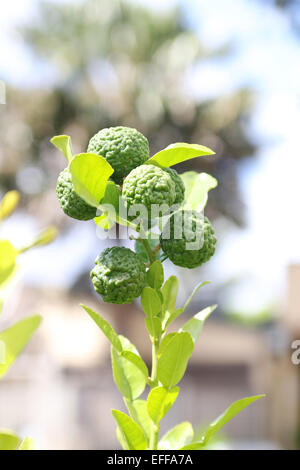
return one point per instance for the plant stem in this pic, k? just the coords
(147, 247)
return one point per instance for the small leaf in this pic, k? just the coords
(131, 431)
(197, 186)
(195, 324)
(63, 143)
(138, 412)
(121, 439)
(151, 302)
(173, 358)
(110, 206)
(154, 326)
(8, 204)
(90, 173)
(15, 339)
(8, 440)
(201, 284)
(137, 361)
(106, 328)
(155, 275)
(44, 238)
(7, 260)
(128, 377)
(169, 292)
(159, 402)
(179, 152)
(177, 437)
(228, 414)
(170, 317)
(27, 444)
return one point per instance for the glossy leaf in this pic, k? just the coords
(130, 380)
(131, 431)
(110, 206)
(155, 275)
(173, 356)
(90, 173)
(197, 186)
(138, 412)
(121, 439)
(159, 402)
(27, 444)
(151, 302)
(7, 260)
(177, 437)
(154, 326)
(8, 440)
(195, 324)
(63, 143)
(169, 292)
(8, 204)
(179, 152)
(105, 327)
(15, 339)
(137, 361)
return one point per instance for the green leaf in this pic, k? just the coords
(159, 402)
(201, 284)
(110, 206)
(197, 186)
(169, 292)
(44, 238)
(15, 338)
(228, 414)
(173, 356)
(8, 440)
(179, 152)
(195, 324)
(8, 204)
(90, 173)
(131, 431)
(27, 444)
(121, 439)
(138, 412)
(106, 328)
(63, 143)
(154, 326)
(155, 275)
(7, 260)
(177, 437)
(137, 361)
(153, 239)
(128, 377)
(151, 302)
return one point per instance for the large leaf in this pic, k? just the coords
(179, 152)
(63, 143)
(173, 355)
(197, 186)
(137, 361)
(15, 338)
(155, 275)
(8, 440)
(177, 437)
(27, 444)
(138, 412)
(130, 380)
(106, 328)
(90, 173)
(218, 423)
(151, 302)
(195, 324)
(8, 204)
(159, 402)
(131, 431)
(7, 260)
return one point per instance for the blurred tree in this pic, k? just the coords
(116, 63)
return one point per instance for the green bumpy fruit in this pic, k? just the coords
(123, 147)
(72, 204)
(173, 242)
(147, 185)
(119, 275)
(179, 185)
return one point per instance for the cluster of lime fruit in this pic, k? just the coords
(119, 274)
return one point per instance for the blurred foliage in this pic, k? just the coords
(116, 63)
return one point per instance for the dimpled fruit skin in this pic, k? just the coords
(176, 250)
(147, 185)
(179, 185)
(72, 204)
(123, 147)
(119, 275)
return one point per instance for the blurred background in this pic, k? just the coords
(225, 74)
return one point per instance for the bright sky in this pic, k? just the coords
(266, 56)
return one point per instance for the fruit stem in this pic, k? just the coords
(147, 247)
